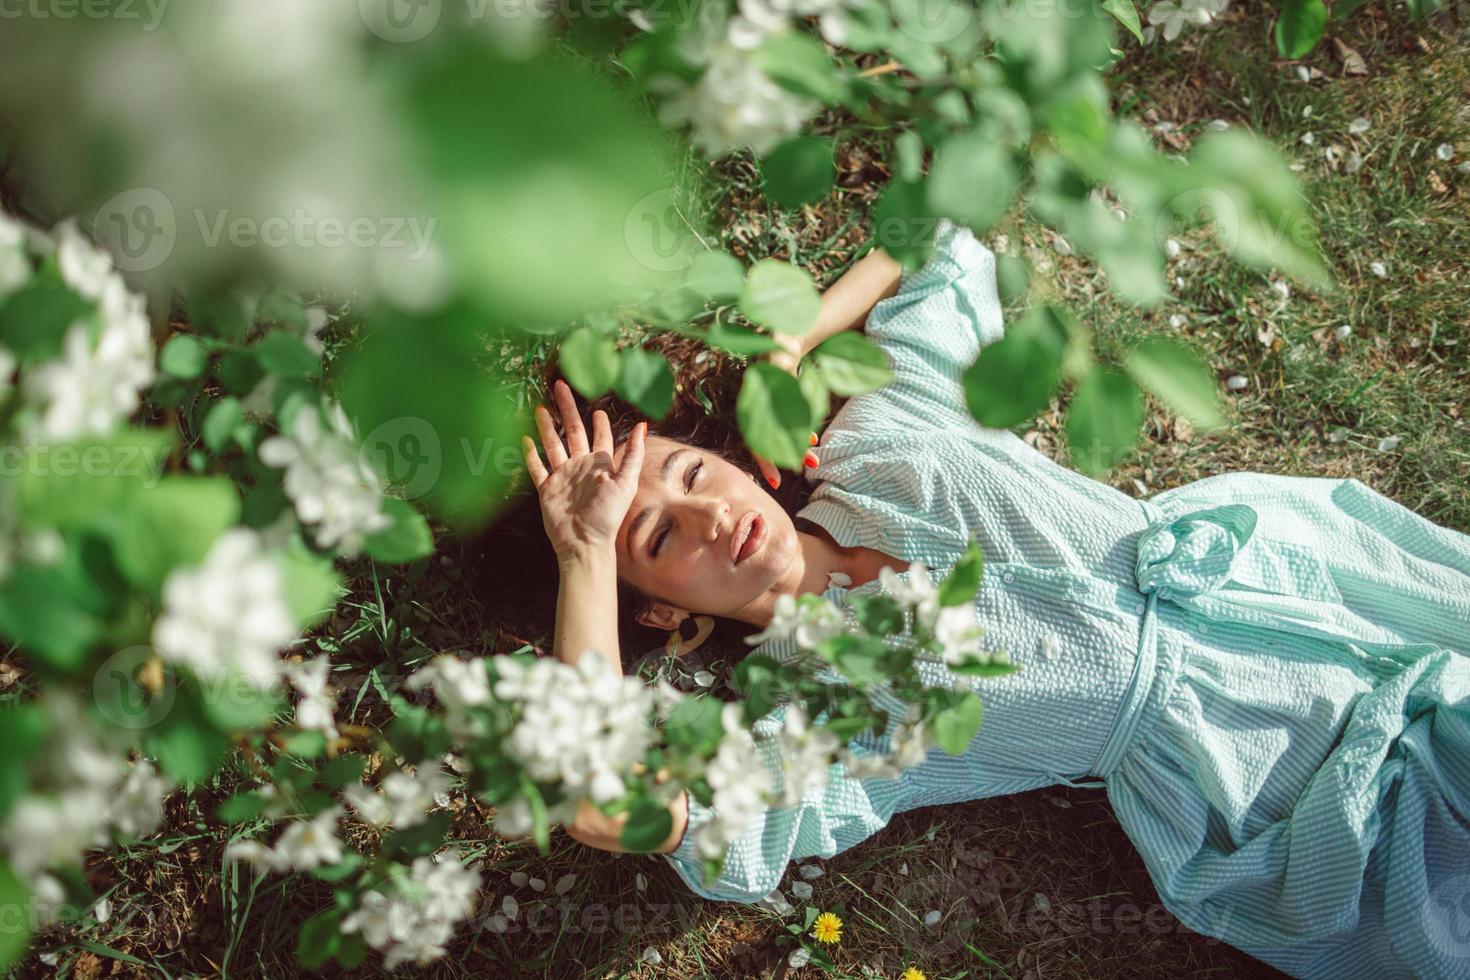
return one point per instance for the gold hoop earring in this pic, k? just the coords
(677, 646)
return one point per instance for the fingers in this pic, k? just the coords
(602, 437)
(533, 462)
(769, 471)
(556, 453)
(571, 419)
(632, 458)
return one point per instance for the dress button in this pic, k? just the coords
(1008, 577)
(1138, 609)
(1204, 627)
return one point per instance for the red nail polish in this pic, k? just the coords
(774, 481)
(812, 439)
(810, 459)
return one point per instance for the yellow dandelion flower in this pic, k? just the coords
(827, 928)
(913, 973)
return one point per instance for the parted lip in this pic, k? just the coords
(750, 526)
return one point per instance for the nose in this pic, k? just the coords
(711, 512)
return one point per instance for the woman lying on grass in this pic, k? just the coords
(1269, 675)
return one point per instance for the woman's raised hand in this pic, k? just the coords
(788, 358)
(585, 491)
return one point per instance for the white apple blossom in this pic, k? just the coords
(741, 784)
(327, 479)
(956, 630)
(759, 19)
(15, 264)
(1174, 15)
(411, 918)
(85, 793)
(806, 753)
(809, 619)
(305, 844)
(7, 372)
(735, 104)
(316, 706)
(458, 685)
(918, 592)
(228, 615)
(584, 726)
(406, 798)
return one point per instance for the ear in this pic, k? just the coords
(660, 615)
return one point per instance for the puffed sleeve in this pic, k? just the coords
(828, 820)
(933, 328)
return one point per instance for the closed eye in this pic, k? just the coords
(691, 475)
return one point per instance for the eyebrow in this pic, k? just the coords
(647, 512)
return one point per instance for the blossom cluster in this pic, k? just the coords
(331, 485)
(106, 358)
(412, 916)
(583, 727)
(91, 797)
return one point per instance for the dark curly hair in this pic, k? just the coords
(520, 595)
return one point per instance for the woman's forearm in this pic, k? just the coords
(847, 302)
(587, 607)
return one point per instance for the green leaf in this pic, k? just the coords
(982, 667)
(813, 384)
(695, 724)
(22, 727)
(590, 362)
(424, 381)
(961, 584)
(781, 297)
(85, 483)
(220, 422)
(646, 382)
(187, 747)
(1015, 377)
(859, 658)
(173, 524)
(716, 276)
(34, 320)
(799, 63)
(220, 316)
(739, 340)
(1104, 420)
(43, 611)
(649, 825)
(1299, 27)
(799, 171)
(183, 357)
(343, 770)
(407, 538)
(15, 925)
(955, 726)
(318, 939)
(852, 364)
(239, 371)
(774, 415)
(240, 808)
(284, 355)
(311, 584)
(1175, 374)
(1126, 14)
(1263, 221)
(903, 224)
(973, 179)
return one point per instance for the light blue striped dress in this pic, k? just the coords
(1270, 675)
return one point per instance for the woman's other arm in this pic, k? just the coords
(845, 304)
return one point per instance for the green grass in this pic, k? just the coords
(1043, 884)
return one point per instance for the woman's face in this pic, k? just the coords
(701, 535)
